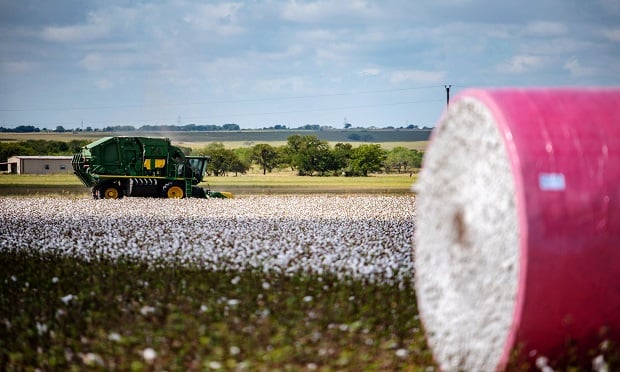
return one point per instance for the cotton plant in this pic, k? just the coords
(361, 237)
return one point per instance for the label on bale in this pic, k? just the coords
(551, 182)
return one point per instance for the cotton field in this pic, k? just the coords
(360, 237)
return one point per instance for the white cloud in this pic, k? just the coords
(96, 27)
(104, 83)
(545, 29)
(323, 10)
(13, 67)
(222, 19)
(522, 63)
(92, 62)
(293, 84)
(612, 35)
(371, 71)
(118, 60)
(574, 67)
(417, 76)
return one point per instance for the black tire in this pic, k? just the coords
(110, 191)
(173, 190)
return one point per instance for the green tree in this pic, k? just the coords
(367, 158)
(292, 152)
(342, 153)
(244, 155)
(266, 156)
(222, 159)
(400, 158)
(310, 155)
(8, 149)
(418, 157)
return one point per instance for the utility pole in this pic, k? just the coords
(448, 94)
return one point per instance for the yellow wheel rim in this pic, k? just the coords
(110, 193)
(175, 192)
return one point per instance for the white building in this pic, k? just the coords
(39, 164)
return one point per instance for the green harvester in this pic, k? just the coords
(114, 167)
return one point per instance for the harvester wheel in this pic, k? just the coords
(173, 191)
(111, 192)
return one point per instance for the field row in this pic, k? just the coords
(254, 283)
(362, 237)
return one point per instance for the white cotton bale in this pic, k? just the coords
(518, 227)
(466, 258)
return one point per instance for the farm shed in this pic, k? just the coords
(39, 164)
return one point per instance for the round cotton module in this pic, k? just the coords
(518, 227)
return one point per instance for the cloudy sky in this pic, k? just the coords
(265, 62)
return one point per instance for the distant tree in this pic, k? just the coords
(239, 166)
(342, 155)
(76, 145)
(308, 154)
(40, 147)
(399, 158)
(8, 149)
(367, 158)
(244, 154)
(222, 160)
(59, 129)
(418, 157)
(231, 126)
(265, 156)
(283, 157)
(292, 150)
(119, 128)
(26, 129)
(310, 127)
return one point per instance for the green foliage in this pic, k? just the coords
(40, 147)
(222, 160)
(403, 159)
(305, 153)
(61, 314)
(310, 155)
(20, 129)
(366, 158)
(266, 156)
(343, 153)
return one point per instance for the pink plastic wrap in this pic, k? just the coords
(564, 151)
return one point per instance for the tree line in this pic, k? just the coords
(128, 128)
(40, 147)
(308, 156)
(188, 128)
